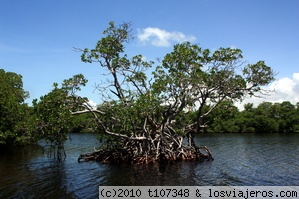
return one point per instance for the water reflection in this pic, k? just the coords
(48, 178)
(181, 173)
(239, 160)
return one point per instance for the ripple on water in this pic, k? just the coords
(239, 160)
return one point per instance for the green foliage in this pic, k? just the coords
(50, 118)
(83, 123)
(182, 92)
(265, 118)
(194, 77)
(14, 113)
(223, 118)
(53, 118)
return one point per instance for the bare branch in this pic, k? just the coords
(86, 111)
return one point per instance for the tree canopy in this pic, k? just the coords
(53, 112)
(13, 110)
(146, 112)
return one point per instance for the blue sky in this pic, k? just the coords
(37, 37)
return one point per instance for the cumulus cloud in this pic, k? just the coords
(285, 89)
(162, 38)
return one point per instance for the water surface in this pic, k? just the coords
(250, 160)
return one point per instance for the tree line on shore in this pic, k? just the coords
(266, 117)
(23, 124)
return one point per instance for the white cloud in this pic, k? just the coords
(162, 38)
(285, 89)
(92, 104)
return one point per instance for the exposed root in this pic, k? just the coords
(121, 155)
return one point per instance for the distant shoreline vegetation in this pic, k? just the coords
(22, 124)
(18, 125)
(267, 117)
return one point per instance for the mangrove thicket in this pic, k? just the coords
(143, 115)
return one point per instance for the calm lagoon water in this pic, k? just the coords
(240, 160)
